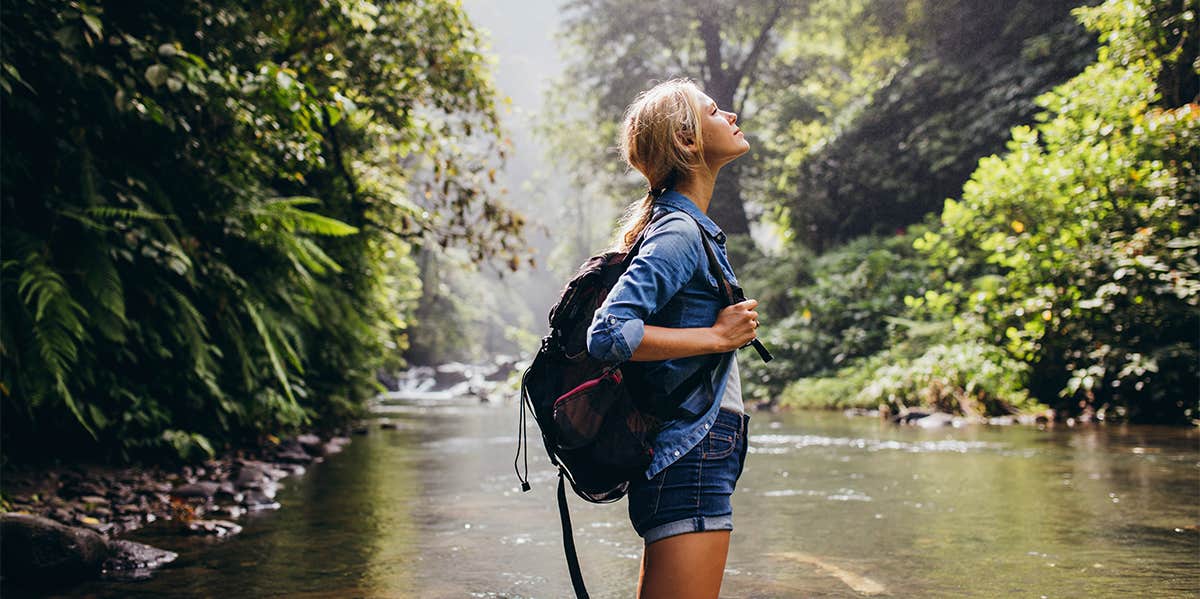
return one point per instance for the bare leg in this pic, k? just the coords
(686, 566)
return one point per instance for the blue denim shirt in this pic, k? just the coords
(668, 284)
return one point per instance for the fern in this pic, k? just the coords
(284, 213)
(273, 355)
(57, 328)
(103, 283)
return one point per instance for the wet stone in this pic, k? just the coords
(310, 443)
(293, 457)
(257, 500)
(249, 476)
(204, 489)
(39, 551)
(220, 528)
(129, 560)
(228, 511)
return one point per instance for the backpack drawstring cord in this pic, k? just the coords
(522, 441)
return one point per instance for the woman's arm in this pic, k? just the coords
(735, 327)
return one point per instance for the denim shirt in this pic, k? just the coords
(669, 284)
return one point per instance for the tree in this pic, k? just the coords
(621, 47)
(967, 71)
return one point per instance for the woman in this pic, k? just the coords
(666, 315)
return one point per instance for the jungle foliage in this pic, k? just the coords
(210, 210)
(1067, 271)
(969, 70)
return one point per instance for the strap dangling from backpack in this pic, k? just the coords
(569, 541)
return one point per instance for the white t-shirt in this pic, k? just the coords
(732, 399)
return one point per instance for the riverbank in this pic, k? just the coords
(62, 525)
(76, 514)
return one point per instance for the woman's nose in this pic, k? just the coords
(732, 117)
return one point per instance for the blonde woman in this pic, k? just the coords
(667, 316)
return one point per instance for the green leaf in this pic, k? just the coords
(272, 355)
(93, 23)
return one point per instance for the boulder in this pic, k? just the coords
(36, 551)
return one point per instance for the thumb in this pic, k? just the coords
(749, 304)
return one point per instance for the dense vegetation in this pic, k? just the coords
(211, 210)
(1065, 274)
(219, 221)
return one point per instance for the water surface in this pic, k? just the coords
(828, 506)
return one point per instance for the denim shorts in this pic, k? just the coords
(693, 493)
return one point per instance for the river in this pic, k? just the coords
(828, 506)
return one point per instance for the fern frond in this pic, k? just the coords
(285, 213)
(272, 355)
(114, 213)
(103, 283)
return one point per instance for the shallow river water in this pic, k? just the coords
(828, 506)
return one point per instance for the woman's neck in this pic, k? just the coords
(699, 189)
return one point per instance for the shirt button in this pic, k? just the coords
(706, 427)
(720, 238)
(676, 453)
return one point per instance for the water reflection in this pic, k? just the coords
(827, 507)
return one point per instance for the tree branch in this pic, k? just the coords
(746, 69)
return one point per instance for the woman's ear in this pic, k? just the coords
(687, 139)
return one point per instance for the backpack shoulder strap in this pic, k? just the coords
(564, 516)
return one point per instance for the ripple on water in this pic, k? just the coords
(839, 495)
(784, 443)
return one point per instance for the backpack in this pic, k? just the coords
(596, 426)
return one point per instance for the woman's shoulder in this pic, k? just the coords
(674, 236)
(674, 223)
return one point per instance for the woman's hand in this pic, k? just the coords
(736, 325)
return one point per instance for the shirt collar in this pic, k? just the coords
(678, 201)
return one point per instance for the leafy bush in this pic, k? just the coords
(820, 313)
(1067, 271)
(967, 378)
(1077, 248)
(170, 279)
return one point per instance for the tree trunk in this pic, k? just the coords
(727, 208)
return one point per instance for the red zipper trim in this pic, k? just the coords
(615, 375)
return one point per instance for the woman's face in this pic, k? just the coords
(723, 139)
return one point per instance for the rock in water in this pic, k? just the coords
(36, 551)
(200, 490)
(134, 561)
(935, 420)
(218, 528)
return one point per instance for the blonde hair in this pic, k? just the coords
(655, 133)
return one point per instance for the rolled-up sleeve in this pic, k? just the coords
(666, 262)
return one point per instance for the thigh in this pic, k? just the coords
(687, 566)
